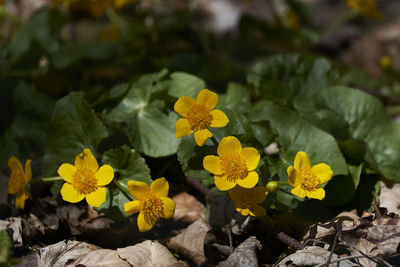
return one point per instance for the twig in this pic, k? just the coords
(348, 258)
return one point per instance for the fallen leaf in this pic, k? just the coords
(149, 254)
(188, 208)
(190, 243)
(100, 258)
(365, 247)
(313, 256)
(13, 225)
(244, 255)
(63, 253)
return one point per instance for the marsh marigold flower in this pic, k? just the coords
(17, 185)
(233, 165)
(85, 179)
(368, 8)
(198, 115)
(247, 200)
(305, 179)
(151, 201)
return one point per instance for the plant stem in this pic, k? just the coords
(215, 142)
(123, 189)
(281, 182)
(47, 179)
(352, 13)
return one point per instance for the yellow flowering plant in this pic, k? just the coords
(306, 180)
(198, 115)
(247, 200)
(85, 179)
(19, 179)
(152, 202)
(94, 8)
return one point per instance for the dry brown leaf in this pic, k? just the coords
(390, 197)
(190, 243)
(312, 256)
(244, 255)
(363, 246)
(62, 253)
(149, 254)
(188, 208)
(13, 224)
(100, 258)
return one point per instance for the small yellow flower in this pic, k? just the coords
(235, 165)
(198, 115)
(17, 185)
(151, 201)
(386, 62)
(306, 180)
(85, 180)
(368, 8)
(247, 200)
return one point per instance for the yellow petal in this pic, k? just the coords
(28, 171)
(86, 160)
(207, 98)
(14, 164)
(212, 164)
(183, 105)
(104, 175)
(257, 210)
(132, 207)
(20, 200)
(318, 193)
(138, 189)
(228, 145)
(257, 194)
(250, 181)
(160, 187)
(298, 191)
(251, 156)
(66, 171)
(301, 161)
(69, 194)
(219, 119)
(244, 212)
(293, 180)
(222, 183)
(323, 172)
(168, 208)
(182, 128)
(201, 136)
(16, 181)
(146, 223)
(97, 197)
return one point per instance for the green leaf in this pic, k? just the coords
(75, 52)
(5, 246)
(368, 122)
(296, 134)
(184, 84)
(236, 98)
(149, 129)
(191, 158)
(73, 127)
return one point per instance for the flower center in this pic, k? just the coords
(234, 167)
(309, 180)
(84, 181)
(199, 117)
(151, 207)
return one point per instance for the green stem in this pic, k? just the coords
(285, 161)
(47, 179)
(215, 142)
(351, 14)
(123, 189)
(281, 182)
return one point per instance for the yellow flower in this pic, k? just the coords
(368, 8)
(247, 200)
(235, 165)
(94, 8)
(85, 180)
(198, 115)
(306, 180)
(151, 201)
(18, 181)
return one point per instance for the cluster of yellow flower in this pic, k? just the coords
(234, 168)
(86, 180)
